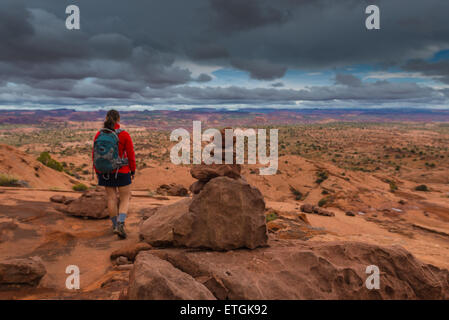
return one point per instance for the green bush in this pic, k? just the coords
(271, 216)
(321, 176)
(422, 187)
(7, 180)
(46, 160)
(298, 195)
(322, 202)
(80, 187)
(393, 186)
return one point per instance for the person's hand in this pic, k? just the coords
(133, 173)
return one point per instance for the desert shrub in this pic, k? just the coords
(322, 202)
(7, 180)
(47, 160)
(79, 187)
(422, 187)
(393, 186)
(271, 216)
(321, 176)
(298, 195)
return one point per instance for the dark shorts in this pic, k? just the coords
(109, 180)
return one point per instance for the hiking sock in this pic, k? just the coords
(121, 217)
(114, 221)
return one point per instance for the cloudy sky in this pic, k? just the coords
(158, 54)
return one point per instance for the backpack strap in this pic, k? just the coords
(114, 132)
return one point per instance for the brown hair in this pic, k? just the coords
(112, 117)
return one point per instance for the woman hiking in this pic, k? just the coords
(115, 165)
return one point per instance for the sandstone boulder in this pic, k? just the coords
(145, 213)
(308, 208)
(205, 172)
(294, 269)
(156, 279)
(130, 251)
(92, 204)
(157, 230)
(197, 186)
(27, 271)
(61, 199)
(227, 214)
(172, 189)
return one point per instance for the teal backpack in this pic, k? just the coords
(106, 152)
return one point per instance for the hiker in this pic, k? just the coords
(115, 165)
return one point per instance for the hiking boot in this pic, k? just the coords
(121, 230)
(114, 230)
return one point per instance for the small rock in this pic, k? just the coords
(91, 204)
(323, 212)
(307, 208)
(121, 260)
(172, 189)
(350, 213)
(124, 267)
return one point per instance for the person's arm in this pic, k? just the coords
(129, 147)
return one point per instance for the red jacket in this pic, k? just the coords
(125, 146)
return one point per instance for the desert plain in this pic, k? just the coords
(376, 180)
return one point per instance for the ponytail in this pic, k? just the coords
(112, 117)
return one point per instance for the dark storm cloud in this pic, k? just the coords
(439, 69)
(347, 80)
(204, 78)
(128, 51)
(380, 90)
(261, 70)
(237, 15)
(207, 52)
(104, 92)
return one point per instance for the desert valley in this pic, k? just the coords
(353, 189)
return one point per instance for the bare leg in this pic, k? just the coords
(125, 196)
(111, 195)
